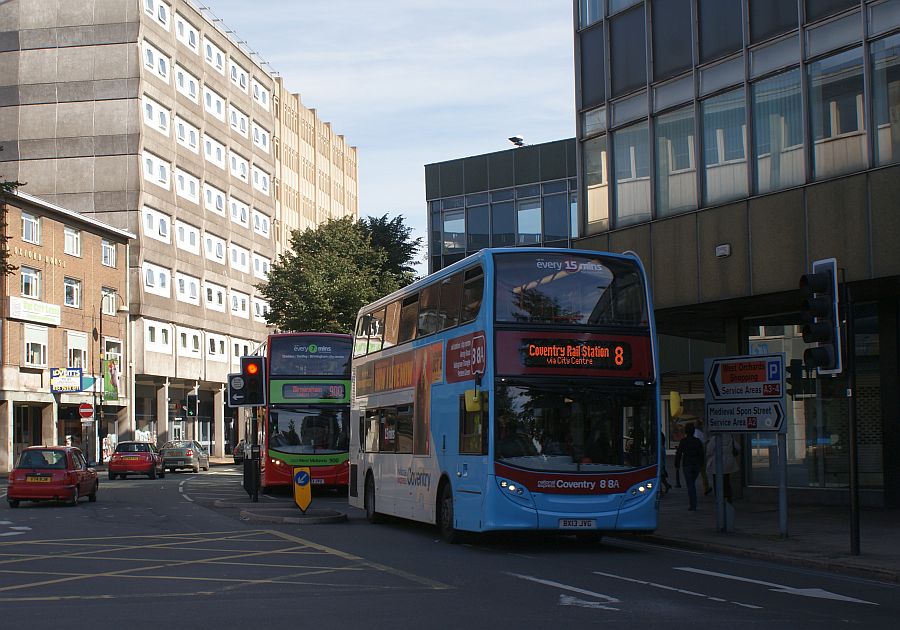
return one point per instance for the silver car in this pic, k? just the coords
(184, 454)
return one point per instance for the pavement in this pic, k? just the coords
(818, 535)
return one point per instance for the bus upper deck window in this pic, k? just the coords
(473, 292)
(408, 315)
(451, 294)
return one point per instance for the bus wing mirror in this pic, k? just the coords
(473, 400)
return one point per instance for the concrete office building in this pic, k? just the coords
(151, 116)
(58, 308)
(518, 197)
(731, 143)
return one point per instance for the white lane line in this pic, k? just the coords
(567, 587)
(21, 528)
(5, 522)
(817, 593)
(671, 588)
(181, 490)
(4, 534)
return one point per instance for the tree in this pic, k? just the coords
(325, 278)
(393, 238)
(6, 188)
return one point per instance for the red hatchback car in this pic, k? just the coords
(138, 458)
(51, 473)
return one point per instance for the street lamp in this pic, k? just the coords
(98, 415)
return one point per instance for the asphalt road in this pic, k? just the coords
(175, 552)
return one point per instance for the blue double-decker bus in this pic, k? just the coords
(517, 389)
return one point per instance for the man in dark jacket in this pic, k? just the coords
(690, 458)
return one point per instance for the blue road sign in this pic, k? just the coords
(301, 478)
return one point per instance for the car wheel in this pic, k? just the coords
(75, 496)
(445, 518)
(369, 500)
(13, 503)
(92, 497)
(197, 468)
(152, 473)
(112, 475)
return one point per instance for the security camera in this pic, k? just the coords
(517, 140)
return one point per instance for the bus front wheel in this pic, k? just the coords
(371, 515)
(445, 516)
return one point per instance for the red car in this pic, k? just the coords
(51, 473)
(135, 458)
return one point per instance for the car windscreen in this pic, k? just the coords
(133, 447)
(43, 460)
(179, 444)
(569, 290)
(309, 430)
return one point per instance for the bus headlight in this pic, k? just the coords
(514, 490)
(639, 491)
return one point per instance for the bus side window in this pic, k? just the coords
(361, 339)
(408, 314)
(473, 292)
(451, 291)
(391, 324)
(373, 427)
(472, 425)
(429, 301)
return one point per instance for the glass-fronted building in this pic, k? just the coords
(514, 198)
(731, 143)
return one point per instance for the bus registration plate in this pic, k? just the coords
(577, 523)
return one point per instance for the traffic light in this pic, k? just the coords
(192, 403)
(821, 323)
(253, 371)
(795, 378)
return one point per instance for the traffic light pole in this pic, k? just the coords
(851, 421)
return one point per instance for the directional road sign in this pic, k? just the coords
(302, 487)
(745, 393)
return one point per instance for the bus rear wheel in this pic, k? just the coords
(445, 518)
(369, 498)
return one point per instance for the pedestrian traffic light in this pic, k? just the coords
(253, 372)
(795, 385)
(821, 323)
(191, 404)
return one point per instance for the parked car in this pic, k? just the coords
(51, 473)
(238, 452)
(184, 454)
(136, 458)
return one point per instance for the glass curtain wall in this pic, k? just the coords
(596, 184)
(676, 163)
(886, 98)
(837, 114)
(631, 161)
(778, 132)
(724, 147)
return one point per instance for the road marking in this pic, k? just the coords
(6, 522)
(6, 534)
(568, 600)
(566, 587)
(817, 593)
(21, 528)
(672, 588)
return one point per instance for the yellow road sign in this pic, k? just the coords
(302, 487)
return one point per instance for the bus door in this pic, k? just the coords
(472, 462)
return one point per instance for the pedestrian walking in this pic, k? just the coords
(730, 460)
(690, 458)
(698, 433)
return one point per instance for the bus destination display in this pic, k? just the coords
(312, 391)
(595, 354)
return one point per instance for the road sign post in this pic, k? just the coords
(86, 411)
(746, 394)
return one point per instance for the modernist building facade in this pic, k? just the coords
(514, 198)
(62, 309)
(731, 143)
(149, 115)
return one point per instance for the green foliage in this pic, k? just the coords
(5, 188)
(393, 237)
(325, 278)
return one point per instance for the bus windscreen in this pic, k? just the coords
(569, 290)
(293, 355)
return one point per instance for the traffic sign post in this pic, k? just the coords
(746, 394)
(86, 411)
(302, 487)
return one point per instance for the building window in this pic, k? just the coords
(672, 39)
(108, 255)
(110, 301)
(31, 283)
(555, 211)
(676, 165)
(886, 98)
(72, 292)
(632, 167)
(31, 228)
(628, 56)
(771, 17)
(503, 224)
(596, 184)
(778, 132)
(593, 75)
(838, 115)
(589, 11)
(76, 349)
(724, 147)
(720, 28)
(454, 232)
(72, 245)
(529, 222)
(35, 346)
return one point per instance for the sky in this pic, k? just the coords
(413, 82)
